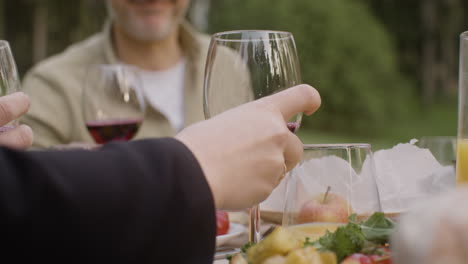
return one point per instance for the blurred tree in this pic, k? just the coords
(2, 19)
(17, 30)
(429, 21)
(427, 35)
(344, 51)
(40, 30)
(37, 29)
(450, 29)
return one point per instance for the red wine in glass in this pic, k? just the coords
(293, 126)
(113, 130)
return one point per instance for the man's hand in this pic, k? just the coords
(245, 152)
(12, 107)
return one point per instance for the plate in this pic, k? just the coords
(234, 230)
(274, 217)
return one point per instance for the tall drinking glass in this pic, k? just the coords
(462, 145)
(245, 65)
(9, 78)
(330, 183)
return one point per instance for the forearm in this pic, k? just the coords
(131, 203)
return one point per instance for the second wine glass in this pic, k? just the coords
(246, 65)
(113, 102)
(9, 78)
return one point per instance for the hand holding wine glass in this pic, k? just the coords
(250, 164)
(113, 103)
(262, 63)
(12, 107)
(12, 104)
(9, 78)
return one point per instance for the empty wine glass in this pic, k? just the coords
(330, 183)
(9, 78)
(444, 148)
(245, 65)
(113, 102)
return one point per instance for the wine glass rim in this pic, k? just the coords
(4, 44)
(464, 35)
(336, 146)
(219, 36)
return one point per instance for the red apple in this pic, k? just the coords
(222, 222)
(326, 207)
(357, 258)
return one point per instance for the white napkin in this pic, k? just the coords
(407, 175)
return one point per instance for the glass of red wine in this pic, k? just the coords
(9, 78)
(113, 102)
(257, 63)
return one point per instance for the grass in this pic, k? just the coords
(438, 120)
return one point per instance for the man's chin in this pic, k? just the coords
(150, 33)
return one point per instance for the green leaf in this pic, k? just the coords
(308, 242)
(246, 246)
(378, 228)
(345, 241)
(379, 220)
(352, 218)
(326, 241)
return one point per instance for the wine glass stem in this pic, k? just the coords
(254, 225)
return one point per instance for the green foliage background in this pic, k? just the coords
(345, 52)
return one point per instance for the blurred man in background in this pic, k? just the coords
(150, 34)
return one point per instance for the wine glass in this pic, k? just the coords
(443, 148)
(113, 102)
(9, 78)
(331, 183)
(243, 66)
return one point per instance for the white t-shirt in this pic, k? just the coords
(165, 92)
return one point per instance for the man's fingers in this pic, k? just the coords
(20, 137)
(293, 151)
(298, 99)
(13, 106)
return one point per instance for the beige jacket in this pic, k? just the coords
(55, 87)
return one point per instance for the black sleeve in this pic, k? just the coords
(140, 202)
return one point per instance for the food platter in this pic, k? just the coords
(235, 230)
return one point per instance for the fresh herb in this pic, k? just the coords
(378, 228)
(246, 246)
(356, 237)
(243, 250)
(345, 241)
(308, 242)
